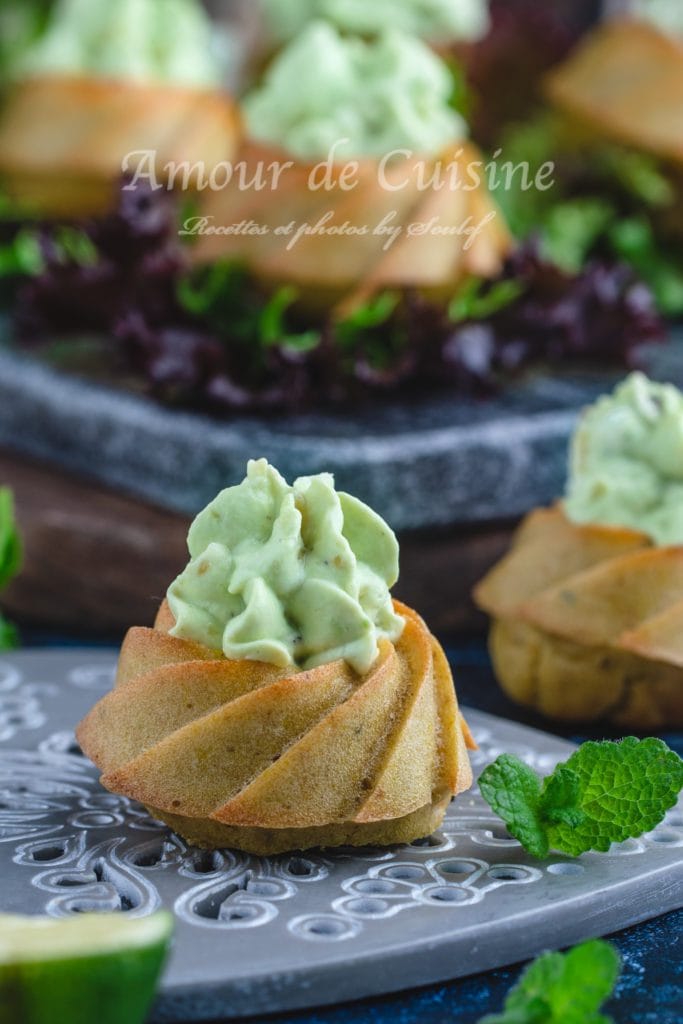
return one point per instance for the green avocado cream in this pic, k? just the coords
(626, 466)
(435, 20)
(326, 92)
(143, 40)
(667, 15)
(294, 575)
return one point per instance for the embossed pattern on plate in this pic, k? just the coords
(265, 934)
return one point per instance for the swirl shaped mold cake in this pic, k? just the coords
(283, 700)
(587, 606)
(371, 180)
(106, 84)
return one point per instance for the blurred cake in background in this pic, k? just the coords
(437, 21)
(106, 80)
(666, 15)
(394, 275)
(625, 80)
(587, 606)
(397, 199)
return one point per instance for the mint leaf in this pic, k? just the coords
(591, 971)
(624, 789)
(513, 791)
(563, 989)
(605, 793)
(560, 798)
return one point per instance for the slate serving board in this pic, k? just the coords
(434, 462)
(257, 935)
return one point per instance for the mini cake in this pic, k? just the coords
(282, 700)
(587, 606)
(105, 81)
(376, 186)
(439, 22)
(625, 81)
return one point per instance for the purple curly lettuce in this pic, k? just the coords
(216, 342)
(128, 259)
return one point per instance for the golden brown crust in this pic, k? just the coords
(242, 749)
(599, 605)
(164, 621)
(209, 834)
(625, 82)
(659, 638)
(347, 268)
(146, 650)
(63, 139)
(588, 628)
(546, 550)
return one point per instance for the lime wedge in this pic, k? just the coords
(87, 969)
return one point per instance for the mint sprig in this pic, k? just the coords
(605, 793)
(567, 988)
(10, 560)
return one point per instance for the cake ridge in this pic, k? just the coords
(610, 579)
(601, 643)
(384, 682)
(303, 758)
(293, 695)
(397, 759)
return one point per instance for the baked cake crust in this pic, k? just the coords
(588, 623)
(247, 755)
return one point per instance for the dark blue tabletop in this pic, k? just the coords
(650, 990)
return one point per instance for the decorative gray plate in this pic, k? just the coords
(256, 935)
(436, 461)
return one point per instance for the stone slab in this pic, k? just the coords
(432, 462)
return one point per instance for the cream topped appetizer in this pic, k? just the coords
(588, 604)
(140, 40)
(355, 98)
(626, 466)
(436, 21)
(107, 81)
(666, 15)
(289, 575)
(283, 700)
(357, 176)
(624, 83)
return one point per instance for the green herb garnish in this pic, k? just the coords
(21, 257)
(479, 299)
(10, 561)
(567, 988)
(605, 793)
(273, 328)
(606, 200)
(634, 240)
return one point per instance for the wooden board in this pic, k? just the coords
(97, 562)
